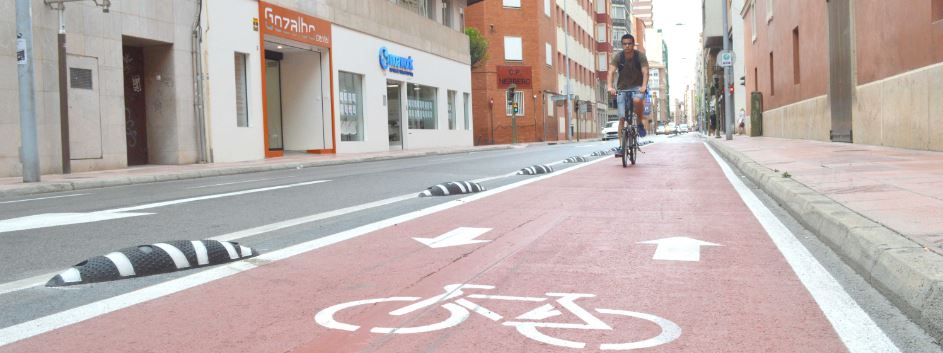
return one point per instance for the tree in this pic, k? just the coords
(477, 45)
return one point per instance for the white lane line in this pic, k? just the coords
(42, 198)
(201, 249)
(61, 219)
(75, 315)
(239, 182)
(853, 325)
(210, 197)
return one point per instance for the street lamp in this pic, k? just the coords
(59, 5)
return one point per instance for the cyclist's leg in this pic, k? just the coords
(639, 108)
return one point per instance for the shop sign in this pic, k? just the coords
(517, 75)
(295, 25)
(395, 63)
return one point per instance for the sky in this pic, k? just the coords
(682, 40)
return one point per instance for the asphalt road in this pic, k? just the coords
(226, 206)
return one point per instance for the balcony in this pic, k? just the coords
(713, 23)
(619, 2)
(619, 22)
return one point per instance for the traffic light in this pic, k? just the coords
(731, 88)
(514, 107)
(510, 92)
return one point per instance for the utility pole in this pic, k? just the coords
(29, 151)
(566, 52)
(63, 93)
(728, 81)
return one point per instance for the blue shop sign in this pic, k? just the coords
(395, 63)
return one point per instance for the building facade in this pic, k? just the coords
(879, 87)
(129, 86)
(180, 82)
(335, 77)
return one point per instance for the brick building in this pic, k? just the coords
(528, 47)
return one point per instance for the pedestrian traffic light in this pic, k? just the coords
(731, 88)
(510, 92)
(514, 107)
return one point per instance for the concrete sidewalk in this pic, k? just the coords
(14, 186)
(879, 208)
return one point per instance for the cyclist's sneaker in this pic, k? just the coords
(641, 130)
(619, 152)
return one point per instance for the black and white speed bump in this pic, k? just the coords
(452, 188)
(600, 153)
(537, 169)
(145, 260)
(575, 159)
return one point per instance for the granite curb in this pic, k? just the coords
(210, 171)
(908, 274)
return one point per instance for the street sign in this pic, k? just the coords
(725, 58)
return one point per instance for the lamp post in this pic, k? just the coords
(29, 152)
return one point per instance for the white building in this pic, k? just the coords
(335, 77)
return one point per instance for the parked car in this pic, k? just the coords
(683, 128)
(611, 131)
(660, 130)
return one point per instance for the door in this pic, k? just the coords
(394, 108)
(273, 95)
(135, 119)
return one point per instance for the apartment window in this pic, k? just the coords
(600, 6)
(602, 64)
(769, 10)
(936, 10)
(549, 54)
(753, 21)
(421, 107)
(512, 3)
(451, 102)
(772, 85)
(242, 91)
(467, 111)
(519, 99)
(446, 14)
(618, 12)
(601, 32)
(547, 8)
(795, 55)
(512, 49)
(351, 107)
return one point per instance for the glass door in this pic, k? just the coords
(394, 108)
(273, 96)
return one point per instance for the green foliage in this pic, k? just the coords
(477, 45)
(787, 175)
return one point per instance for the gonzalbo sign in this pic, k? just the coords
(520, 76)
(289, 24)
(395, 63)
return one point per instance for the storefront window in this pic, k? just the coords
(351, 99)
(422, 106)
(467, 112)
(451, 110)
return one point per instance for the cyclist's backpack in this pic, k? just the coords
(636, 62)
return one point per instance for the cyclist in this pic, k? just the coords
(632, 66)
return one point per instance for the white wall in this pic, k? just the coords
(227, 33)
(358, 53)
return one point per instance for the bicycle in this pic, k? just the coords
(528, 324)
(629, 130)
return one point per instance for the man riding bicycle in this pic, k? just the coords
(632, 66)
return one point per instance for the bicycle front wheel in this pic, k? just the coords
(625, 148)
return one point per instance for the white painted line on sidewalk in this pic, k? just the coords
(853, 325)
(42, 198)
(75, 315)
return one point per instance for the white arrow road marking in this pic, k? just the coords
(61, 219)
(455, 237)
(678, 248)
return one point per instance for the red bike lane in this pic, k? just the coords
(563, 269)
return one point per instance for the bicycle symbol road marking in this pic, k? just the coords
(528, 324)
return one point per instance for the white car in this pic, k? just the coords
(683, 128)
(611, 131)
